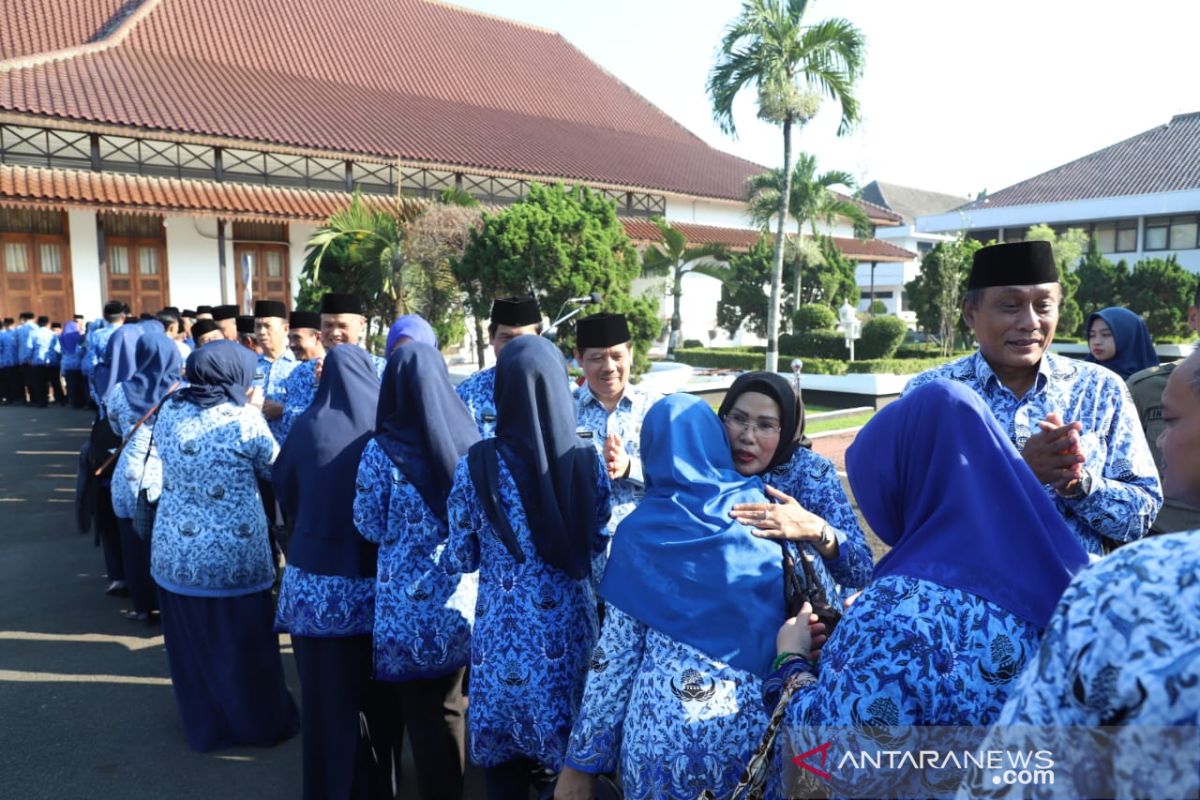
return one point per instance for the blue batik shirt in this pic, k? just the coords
(272, 377)
(44, 349)
(908, 652)
(324, 606)
(1125, 494)
(96, 344)
(423, 614)
(478, 392)
(25, 334)
(8, 349)
(299, 390)
(535, 628)
(138, 466)
(210, 534)
(812, 480)
(626, 422)
(674, 720)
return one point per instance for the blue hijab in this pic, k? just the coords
(316, 473)
(415, 328)
(219, 372)
(939, 482)
(679, 563)
(120, 359)
(69, 338)
(555, 470)
(1135, 348)
(421, 423)
(158, 363)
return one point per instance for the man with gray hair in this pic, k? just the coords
(1147, 388)
(1073, 422)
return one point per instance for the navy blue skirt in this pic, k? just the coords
(226, 670)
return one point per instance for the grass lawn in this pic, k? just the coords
(821, 425)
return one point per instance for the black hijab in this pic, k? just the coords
(555, 470)
(421, 423)
(220, 372)
(316, 473)
(791, 410)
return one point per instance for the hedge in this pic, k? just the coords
(814, 317)
(880, 337)
(815, 344)
(925, 351)
(740, 358)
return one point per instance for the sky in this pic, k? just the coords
(957, 96)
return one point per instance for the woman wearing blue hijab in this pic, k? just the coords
(410, 328)
(693, 602)
(527, 510)
(955, 610)
(156, 372)
(1118, 339)
(423, 615)
(120, 360)
(72, 361)
(211, 558)
(327, 598)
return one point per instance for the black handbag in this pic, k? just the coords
(797, 591)
(145, 511)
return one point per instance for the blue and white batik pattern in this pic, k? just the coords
(25, 337)
(324, 605)
(210, 534)
(812, 480)
(1125, 496)
(44, 349)
(626, 422)
(95, 344)
(272, 376)
(423, 615)
(673, 719)
(907, 653)
(300, 388)
(478, 392)
(8, 349)
(129, 477)
(535, 628)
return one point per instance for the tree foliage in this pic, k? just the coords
(935, 293)
(557, 243)
(790, 66)
(434, 242)
(672, 259)
(1160, 290)
(1101, 282)
(1069, 247)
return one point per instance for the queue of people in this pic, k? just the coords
(575, 586)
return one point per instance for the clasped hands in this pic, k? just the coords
(1055, 454)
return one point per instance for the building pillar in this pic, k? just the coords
(221, 261)
(102, 255)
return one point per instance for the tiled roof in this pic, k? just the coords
(407, 79)
(1163, 159)
(77, 189)
(909, 202)
(644, 231)
(41, 26)
(875, 212)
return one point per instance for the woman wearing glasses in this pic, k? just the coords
(764, 422)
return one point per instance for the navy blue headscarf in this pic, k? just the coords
(1135, 348)
(158, 363)
(316, 472)
(69, 338)
(939, 481)
(219, 372)
(120, 359)
(555, 470)
(679, 562)
(421, 423)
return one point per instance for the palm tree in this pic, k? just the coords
(792, 66)
(811, 200)
(672, 259)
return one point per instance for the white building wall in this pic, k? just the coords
(729, 214)
(298, 235)
(86, 281)
(193, 259)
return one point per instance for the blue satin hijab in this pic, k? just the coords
(219, 372)
(939, 481)
(157, 370)
(414, 327)
(679, 563)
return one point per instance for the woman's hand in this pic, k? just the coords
(574, 785)
(803, 634)
(785, 520)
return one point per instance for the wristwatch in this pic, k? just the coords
(1082, 489)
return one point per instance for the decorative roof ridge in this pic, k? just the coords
(114, 38)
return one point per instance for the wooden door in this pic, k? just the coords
(137, 273)
(263, 270)
(35, 274)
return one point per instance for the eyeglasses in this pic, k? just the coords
(744, 423)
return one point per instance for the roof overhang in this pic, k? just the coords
(1098, 208)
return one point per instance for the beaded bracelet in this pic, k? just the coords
(783, 658)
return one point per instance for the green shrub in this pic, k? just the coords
(692, 343)
(894, 366)
(880, 337)
(745, 359)
(815, 344)
(877, 307)
(814, 317)
(925, 351)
